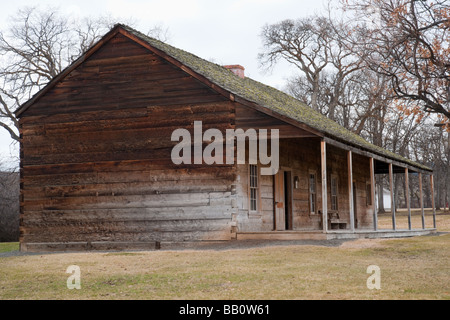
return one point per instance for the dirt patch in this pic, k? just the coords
(364, 244)
(248, 244)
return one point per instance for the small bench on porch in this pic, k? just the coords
(335, 222)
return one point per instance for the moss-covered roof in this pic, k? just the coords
(270, 98)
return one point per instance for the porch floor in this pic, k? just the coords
(332, 234)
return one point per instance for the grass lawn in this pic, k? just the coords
(9, 246)
(411, 268)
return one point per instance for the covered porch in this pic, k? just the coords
(344, 195)
(333, 234)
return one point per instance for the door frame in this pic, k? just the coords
(355, 205)
(282, 190)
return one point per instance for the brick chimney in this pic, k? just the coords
(237, 70)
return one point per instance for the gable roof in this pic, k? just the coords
(245, 90)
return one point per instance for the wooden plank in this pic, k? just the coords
(121, 59)
(125, 188)
(174, 236)
(129, 214)
(160, 116)
(113, 202)
(110, 141)
(407, 197)
(117, 154)
(279, 205)
(94, 115)
(114, 87)
(87, 246)
(63, 228)
(372, 190)
(323, 157)
(148, 154)
(153, 130)
(421, 200)
(350, 190)
(147, 175)
(391, 189)
(128, 167)
(102, 100)
(432, 200)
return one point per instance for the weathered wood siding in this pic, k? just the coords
(95, 160)
(301, 156)
(361, 177)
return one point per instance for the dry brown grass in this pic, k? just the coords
(411, 268)
(401, 217)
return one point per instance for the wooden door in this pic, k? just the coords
(279, 198)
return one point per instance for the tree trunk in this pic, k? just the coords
(438, 194)
(315, 95)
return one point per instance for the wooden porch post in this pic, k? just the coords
(407, 197)
(323, 152)
(432, 200)
(421, 200)
(350, 190)
(391, 188)
(372, 188)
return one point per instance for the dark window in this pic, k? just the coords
(334, 193)
(253, 187)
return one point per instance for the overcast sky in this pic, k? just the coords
(226, 32)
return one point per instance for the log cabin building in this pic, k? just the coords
(97, 173)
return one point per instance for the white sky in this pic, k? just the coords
(226, 32)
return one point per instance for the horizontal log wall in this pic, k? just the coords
(96, 149)
(261, 220)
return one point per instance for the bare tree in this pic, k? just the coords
(303, 43)
(39, 44)
(159, 32)
(330, 73)
(432, 147)
(408, 41)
